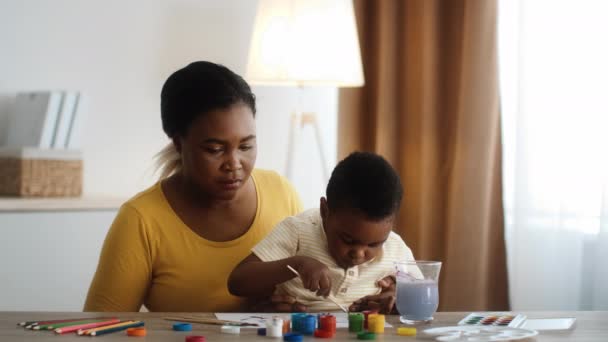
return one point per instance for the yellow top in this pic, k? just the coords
(151, 257)
(303, 234)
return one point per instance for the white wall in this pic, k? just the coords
(47, 260)
(118, 53)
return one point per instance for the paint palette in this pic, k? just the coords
(478, 333)
(493, 319)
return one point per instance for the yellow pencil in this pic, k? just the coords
(119, 328)
(89, 331)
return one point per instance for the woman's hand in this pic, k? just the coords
(277, 303)
(384, 302)
(314, 275)
(286, 303)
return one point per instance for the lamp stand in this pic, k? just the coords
(298, 122)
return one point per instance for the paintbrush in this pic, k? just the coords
(329, 297)
(212, 321)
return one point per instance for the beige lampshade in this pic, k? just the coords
(305, 42)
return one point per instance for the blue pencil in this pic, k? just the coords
(111, 330)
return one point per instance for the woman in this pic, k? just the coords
(172, 246)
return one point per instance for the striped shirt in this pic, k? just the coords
(303, 235)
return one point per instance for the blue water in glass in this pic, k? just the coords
(417, 300)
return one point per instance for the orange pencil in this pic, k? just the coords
(92, 330)
(73, 328)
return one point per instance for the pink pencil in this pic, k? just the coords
(73, 328)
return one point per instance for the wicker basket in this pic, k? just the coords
(40, 173)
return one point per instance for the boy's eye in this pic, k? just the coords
(376, 244)
(347, 240)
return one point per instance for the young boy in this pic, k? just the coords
(341, 250)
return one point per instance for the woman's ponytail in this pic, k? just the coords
(168, 161)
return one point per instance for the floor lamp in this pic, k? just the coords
(305, 43)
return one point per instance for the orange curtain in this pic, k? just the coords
(430, 106)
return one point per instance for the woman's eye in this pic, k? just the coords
(246, 147)
(213, 150)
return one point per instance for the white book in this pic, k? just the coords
(74, 136)
(33, 119)
(64, 121)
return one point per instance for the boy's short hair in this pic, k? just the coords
(366, 182)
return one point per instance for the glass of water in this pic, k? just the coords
(417, 292)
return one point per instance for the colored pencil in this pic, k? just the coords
(111, 330)
(73, 328)
(31, 324)
(65, 324)
(48, 322)
(89, 331)
(26, 323)
(211, 321)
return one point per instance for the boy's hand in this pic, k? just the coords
(384, 302)
(314, 275)
(387, 284)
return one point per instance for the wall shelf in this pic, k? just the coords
(86, 203)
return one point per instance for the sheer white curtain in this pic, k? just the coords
(553, 67)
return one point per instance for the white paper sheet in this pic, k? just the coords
(546, 324)
(260, 318)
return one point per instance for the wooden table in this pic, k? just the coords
(590, 326)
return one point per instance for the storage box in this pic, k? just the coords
(33, 172)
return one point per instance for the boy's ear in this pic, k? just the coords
(324, 209)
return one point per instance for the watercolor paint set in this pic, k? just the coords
(513, 320)
(493, 319)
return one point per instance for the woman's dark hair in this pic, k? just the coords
(189, 92)
(365, 182)
(197, 89)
